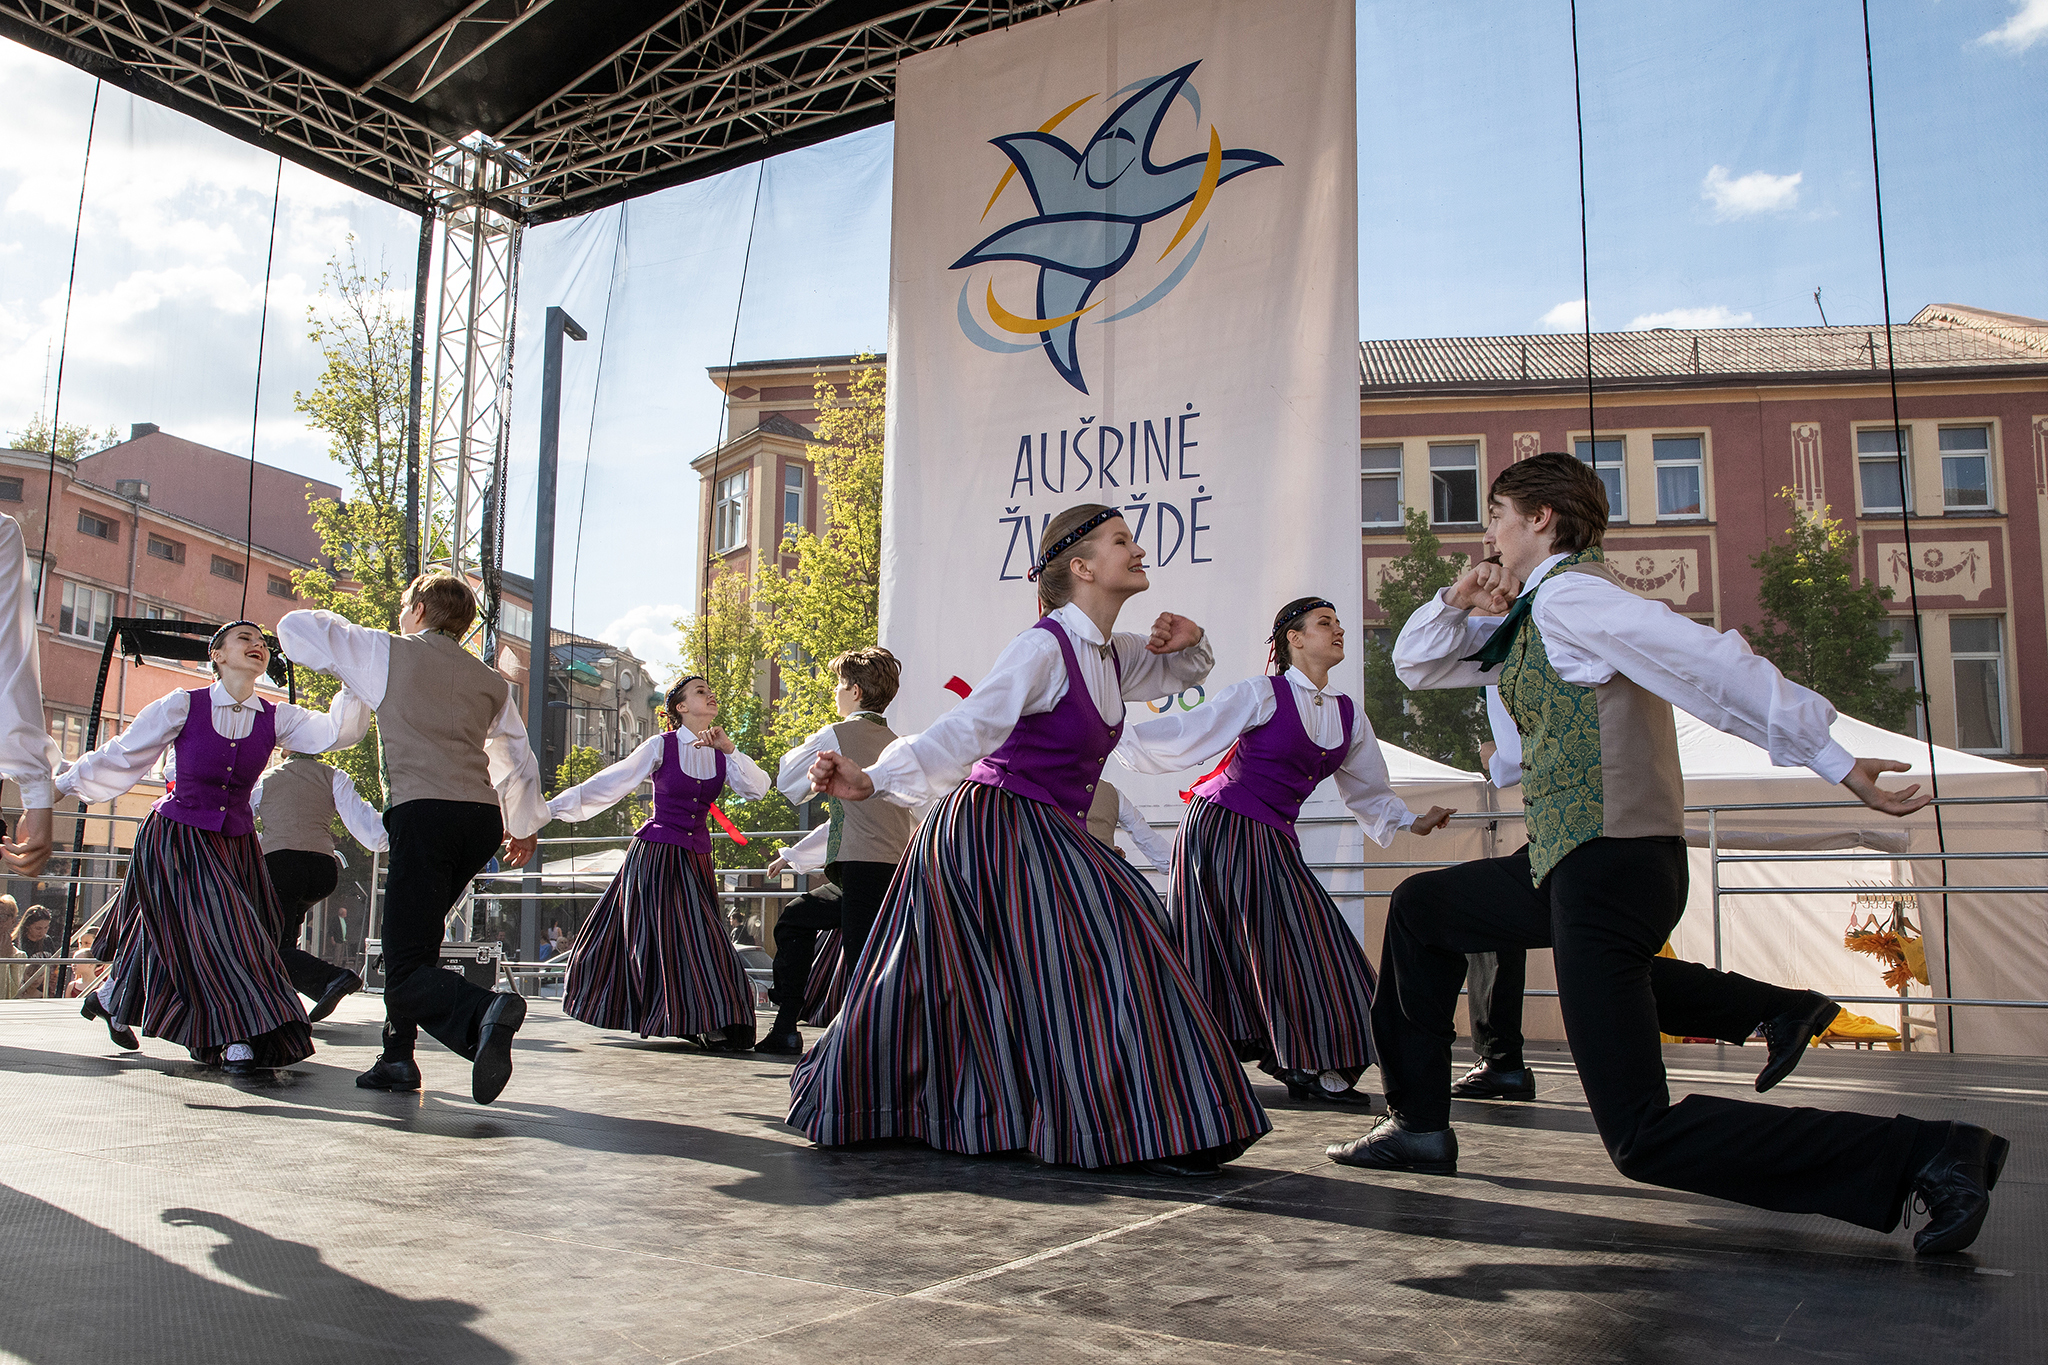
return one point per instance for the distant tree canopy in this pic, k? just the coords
(74, 441)
(1448, 724)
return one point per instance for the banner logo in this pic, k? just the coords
(1093, 205)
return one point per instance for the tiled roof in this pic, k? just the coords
(1940, 337)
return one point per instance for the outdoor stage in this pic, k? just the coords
(631, 1201)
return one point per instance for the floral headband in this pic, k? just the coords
(1069, 541)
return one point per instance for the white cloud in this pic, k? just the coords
(2028, 25)
(650, 632)
(1569, 316)
(1741, 196)
(1716, 315)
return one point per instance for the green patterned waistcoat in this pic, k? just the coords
(1596, 761)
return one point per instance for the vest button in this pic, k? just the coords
(1091, 786)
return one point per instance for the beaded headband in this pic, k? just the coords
(1282, 626)
(1069, 541)
(222, 634)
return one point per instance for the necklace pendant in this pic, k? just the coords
(1319, 699)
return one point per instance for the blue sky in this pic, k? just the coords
(1728, 168)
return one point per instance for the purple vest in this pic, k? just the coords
(215, 775)
(682, 804)
(1276, 765)
(1056, 757)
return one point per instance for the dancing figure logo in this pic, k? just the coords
(1092, 205)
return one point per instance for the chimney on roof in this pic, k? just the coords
(135, 490)
(139, 430)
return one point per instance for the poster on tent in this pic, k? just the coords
(1123, 270)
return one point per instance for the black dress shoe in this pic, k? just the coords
(1390, 1147)
(1789, 1035)
(788, 1044)
(242, 1066)
(339, 989)
(493, 1065)
(1956, 1186)
(1189, 1167)
(1483, 1082)
(1316, 1088)
(391, 1073)
(93, 1009)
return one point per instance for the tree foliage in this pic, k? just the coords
(1444, 724)
(579, 765)
(1824, 626)
(726, 646)
(74, 441)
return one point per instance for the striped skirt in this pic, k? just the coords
(1266, 946)
(193, 940)
(653, 957)
(825, 990)
(1017, 992)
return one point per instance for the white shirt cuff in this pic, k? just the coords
(1833, 763)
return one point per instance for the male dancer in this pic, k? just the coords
(27, 752)
(1589, 672)
(459, 778)
(1494, 982)
(866, 839)
(298, 801)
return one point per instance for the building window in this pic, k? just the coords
(280, 587)
(1606, 455)
(227, 568)
(10, 490)
(155, 613)
(85, 613)
(792, 497)
(1454, 484)
(99, 528)
(1966, 469)
(1977, 646)
(1877, 469)
(1680, 484)
(729, 514)
(69, 732)
(170, 551)
(1903, 667)
(1379, 493)
(514, 621)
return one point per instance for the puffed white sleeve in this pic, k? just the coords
(515, 773)
(1431, 648)
(793, 776)
(358, 816)
(919, 769)
(1368, 789)
(126, 759)
(606, 788)
(28, 753)
(1505, 767)
(358, 655)
(1179, 739)
(744, 777)
(302, 731)
(1147, 675)
(1144, 838)
(808, 853)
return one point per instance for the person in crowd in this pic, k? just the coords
(84, 975)
(654, 957)
(1590, 673)
(1028, 958)
(298, 802)
(1262, 939)
(864, 841)
(194, 929)
(10, 970)
(460, 779)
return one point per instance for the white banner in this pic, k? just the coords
(1124, 270)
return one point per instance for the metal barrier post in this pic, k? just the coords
(1714, 876)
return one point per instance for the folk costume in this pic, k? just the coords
(653, 957)
(193, 933)
(1589, 673)
(1113, 810)
(810, 968)
(1496, 982)
(298, 802)
(458, 777)
(1262, 939)
(1018, 992)
(28, 753)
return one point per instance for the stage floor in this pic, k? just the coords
(628, 1201)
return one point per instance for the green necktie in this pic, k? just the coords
(1502, 642)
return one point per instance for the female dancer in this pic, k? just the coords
(653, 956)
(1017, 991)
(1265, 944)
(193, 936)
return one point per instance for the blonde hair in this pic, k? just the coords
(1056, 579)
(445, 602)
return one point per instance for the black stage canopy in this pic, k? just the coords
(603, 99)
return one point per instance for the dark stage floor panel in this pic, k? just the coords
(640, 1201)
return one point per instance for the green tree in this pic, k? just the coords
(726, 646)
(830, 601)
(1824, 626)
(73, 440)
(579, 765)
(1444, 724)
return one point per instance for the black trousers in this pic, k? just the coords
(1604, 912)
(303, 879)
(1493, 993)
(436, 847)
(862, 889)
(796, 948)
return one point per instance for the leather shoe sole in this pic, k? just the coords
(1958, 1199)
(493, 1065)
(781, 1044)
(339, 989)
(1390, 1147)
(1484, 1083)
(1308, 1086)
(1790, 1034)
(93, 1009)
(245, 1067)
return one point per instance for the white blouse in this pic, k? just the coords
(27, 752)
(606, 789)
(127, 758)
(1190, 739)
(1029, 679)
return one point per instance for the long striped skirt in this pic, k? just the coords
(653, 957)
(825, 988)
(194, 947)
(1017, 992)
(1266, 946)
